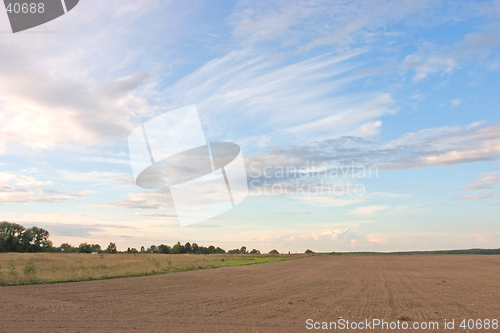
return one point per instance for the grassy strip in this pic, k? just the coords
(85, 267)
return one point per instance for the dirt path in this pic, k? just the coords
(271, 297)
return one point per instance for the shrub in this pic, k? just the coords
(12, 270)
(29, 269)
(274, 252)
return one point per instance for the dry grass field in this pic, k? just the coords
(32, 268)
(270, 297)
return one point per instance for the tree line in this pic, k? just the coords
(16, 238)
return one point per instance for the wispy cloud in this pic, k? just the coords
(305, 25)
(97, 177)
(433, 59)
(146, 200)
(479, 196)
(22, 188)
(328, 201)
(301, 101)
(441, 146)
(369, 210)
(485, 181)
(455, 102)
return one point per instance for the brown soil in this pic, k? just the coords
(271, 297)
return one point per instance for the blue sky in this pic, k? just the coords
(409, 88)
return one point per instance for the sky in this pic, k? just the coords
(390, 109)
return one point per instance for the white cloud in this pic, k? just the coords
(97, 177)
(305, 25)
(424, 68)
(485, 181)
(418, 96)
(428, 241)
(21, 188)
(446, 146)
(327, 201)
(21, 195)
(433, 59)
(146, 200)
(18, 179)
(324, 239)
(369, 210)
(75, 86)
(409, 210)
(479, 196)
(455, 102)
(370, 128)
(289, 103)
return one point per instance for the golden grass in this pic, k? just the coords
(66, 267)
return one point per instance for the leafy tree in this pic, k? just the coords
(65, 247)
(15, 238)
(219, 250)
(243, 250)
(10, 236)
(111, 248)
(195, 248)
(308, 251)
(84, 248)
(152, 249)
(89, 248)
(274, 252)
(35, 239)
(187, 248)
(177, 248)
(254, 251)
(143, 249)
(132, 250)
(165, 249)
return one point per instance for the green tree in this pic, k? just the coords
(65, 247)
(84, 248)
(274, 252)
(95, 248)
(219, 250)
(254, 251)
(165, 249)
(34, 239)
(177, 248)
(89, 248)
(111, 248)
(10, 237)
